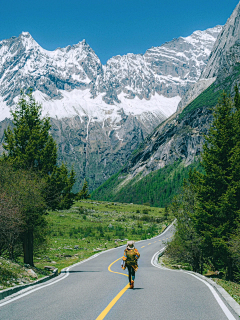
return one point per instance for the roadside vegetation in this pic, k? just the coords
(232, 288)
(208, 208)
(91, 226)
(85, 229)
(14, 273)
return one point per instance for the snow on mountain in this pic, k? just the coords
(71, 81)
(24, 64)
(168, 70)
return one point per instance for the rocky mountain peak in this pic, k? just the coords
(83, 45)
(84, 42)
(224, 56)
(210, 34)
(25, 34)
(226, 51)
(28, 42)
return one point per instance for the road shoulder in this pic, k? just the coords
(223, 293)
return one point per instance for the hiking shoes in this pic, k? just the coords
(132, 284)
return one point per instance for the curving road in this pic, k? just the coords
(97, 289)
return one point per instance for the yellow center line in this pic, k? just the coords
(118, 296)
(142, 247)
(109, 268)
(149, 244)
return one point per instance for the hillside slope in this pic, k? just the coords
(177, 143)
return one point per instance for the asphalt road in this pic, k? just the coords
(89, 287)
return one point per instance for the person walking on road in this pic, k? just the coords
(130, 258)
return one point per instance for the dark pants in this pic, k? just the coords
(131, 273)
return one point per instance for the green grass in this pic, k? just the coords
(13, 273)
(231, 287)
(170, 263)
(93, 226)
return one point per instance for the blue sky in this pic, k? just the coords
(110, 27)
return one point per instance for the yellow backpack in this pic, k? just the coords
(131, 257)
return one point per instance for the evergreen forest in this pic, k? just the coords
(208, 207)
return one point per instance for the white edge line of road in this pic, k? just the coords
(224, 308)
(29, 290)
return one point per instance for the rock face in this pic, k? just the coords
(94, 149)
(168, 70)
(222, 60)
(101, 113)
(226, 51)
(175, 139)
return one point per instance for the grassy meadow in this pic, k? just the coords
(93, 226)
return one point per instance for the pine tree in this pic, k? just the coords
(234, 241)
(58, 189)
(216, 213)
(186, 245)
(83, 194)
(235, 156)
(29, 146)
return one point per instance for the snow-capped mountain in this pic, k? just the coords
(100, 113)
(24, 64)
(64, 77)
(168, 70)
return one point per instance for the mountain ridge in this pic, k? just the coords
(100, 114)
(78, 67)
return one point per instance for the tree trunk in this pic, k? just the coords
(28, 247)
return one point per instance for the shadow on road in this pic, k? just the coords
(76, 271)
